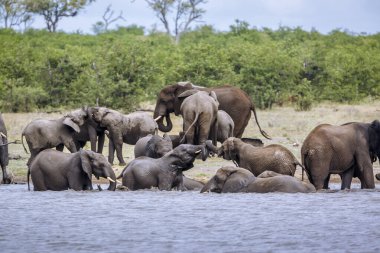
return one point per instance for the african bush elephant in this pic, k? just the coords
(348, 150)
(165, 172)
(226, 126)
(199, 110)
(90, 131)
(273, 157)
(123, 128)
(176, 138)
(232, 179)
(231, 99)
(153, 146)
(4, 159)
(57, 171)
(42, 134)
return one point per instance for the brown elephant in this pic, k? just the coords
(199, 111)
(123, 128)
(231, 99)
(57, 171)
(348, 150)
(231, 180)
(4, 160)
(273, 157)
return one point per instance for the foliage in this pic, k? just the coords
(123, 67)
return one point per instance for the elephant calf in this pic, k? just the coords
(57, 171)
(153, 146)
(232, 179)
(273, 157)
(165, 172)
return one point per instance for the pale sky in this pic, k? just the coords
(324, 15)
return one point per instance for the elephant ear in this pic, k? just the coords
(187, 93)
(69, 122)
(85, 158)
(213, 95)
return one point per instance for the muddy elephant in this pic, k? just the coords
(231, 180)
(165, 172)
(153, 146)
(4, 159)
(226, 126)
(348, 150)
(199, 111)
(41, 134)
(57, 171)
(273, 157)
(231, 99)
(123, 128)
(90, 131)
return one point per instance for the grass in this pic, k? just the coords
(285, 125)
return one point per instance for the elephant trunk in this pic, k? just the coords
(209, 186)
(110, 175)
(214, 149)
(161, 125)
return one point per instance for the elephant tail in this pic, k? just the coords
(303, 168)
(263, 133)
(22, 141)
(192, 124)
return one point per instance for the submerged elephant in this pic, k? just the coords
(231, 179)
(153, 146)
(199, 111)
(165, 172)
(123, 128)
(231, 99)
(273, 157)
(4, 159)
(57, 171)
(41, 134)
(348, 150)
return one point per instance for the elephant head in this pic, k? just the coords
(184, 155)
(97, 165)
(168, 102)
(159, 146)
(99, 114)
(228, 150)
(374, 140)
(75, 119)
(229, 179)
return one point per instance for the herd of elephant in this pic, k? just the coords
(210, 115)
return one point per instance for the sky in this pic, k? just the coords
(358, 16)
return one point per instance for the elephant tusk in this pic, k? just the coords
(197, 152)
(110, 179)
(117, 181)
(159, 117)
(1, 133)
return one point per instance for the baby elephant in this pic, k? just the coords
(57, 171)
(153, 146)
(232, 179)
(273, 157)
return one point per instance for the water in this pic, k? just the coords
(153, 221)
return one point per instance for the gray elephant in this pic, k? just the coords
(176, 138)
(231, 179)
(123, 128)
(90, 131)
(348, 150)
(153, 146)
(190, 184)
(4, 159)
(165, 172)
(41, 134)
(57, 171)
(273, 157)
(225, 126)
(199, 110)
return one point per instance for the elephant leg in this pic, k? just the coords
(365, 170)
(326, 182)
(111, 151)
(319, 170)
(346, 177)
(119, 152)
(38, 181)
(101, 142)
(70, 145)
(6, 178)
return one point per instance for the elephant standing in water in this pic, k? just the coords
(165, 172)
(231, 99)
(41, 134)
(123, 128)
(232, 179)
(57, 171)
(199, 111)
(257, 159)
(153, 146)
(4, 160)
(348, 150)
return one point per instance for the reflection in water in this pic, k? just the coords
(146, 221)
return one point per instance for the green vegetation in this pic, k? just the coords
(42, 70)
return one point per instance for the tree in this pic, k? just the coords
(185, 12)
(13, 13)
(108, 18)
(55, 10)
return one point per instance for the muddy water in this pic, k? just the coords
(152, 221)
